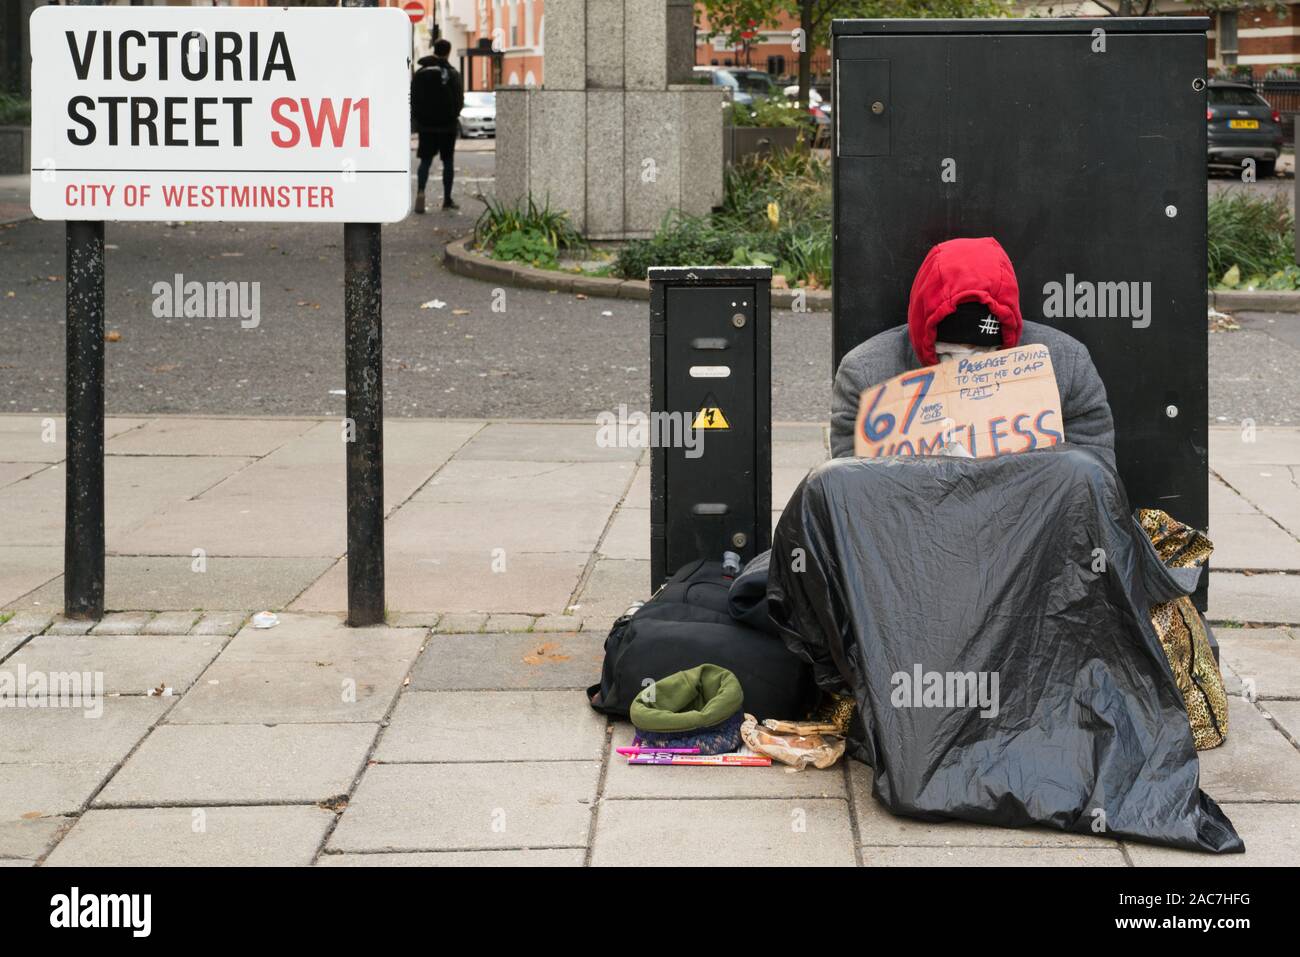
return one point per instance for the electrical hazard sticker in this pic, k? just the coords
(710, 416)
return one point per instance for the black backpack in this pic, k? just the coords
(688, 623)
(435, 100)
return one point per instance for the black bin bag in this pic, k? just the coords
(912, 582)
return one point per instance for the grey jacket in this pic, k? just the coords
(1083, 397)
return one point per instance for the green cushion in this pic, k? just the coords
(698, 698)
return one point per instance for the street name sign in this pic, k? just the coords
(176, 113)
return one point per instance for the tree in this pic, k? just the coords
(733, 18)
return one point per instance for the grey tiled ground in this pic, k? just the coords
(462, 737)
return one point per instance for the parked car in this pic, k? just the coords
(479, 117)
(1240, 124)
(755, 82)
(717, 76)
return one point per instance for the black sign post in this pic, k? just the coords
(364, 350)
(83, 527)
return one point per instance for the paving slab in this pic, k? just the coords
(436, 528)
(623, 780)
(508, 623)
(615, 583)
(135, 489)
(1257, 763)
(1287, 715)
(992, 857)
(561, 623)
(22, 437)
(420, 807)
(784, 481)
(638, 493)
(31, 837)
(543, 443)
(475, 726)
(1267, 657)
(245, 437)
(219, 623)
(486, 662)
(628, 535)
(10, 642)
(533, 583)
(729, 833)
(558, 857)
(122, 623)
(194, 837)
(71, 626)
(101, 731)
(26, 623)
(11, 472)
(130, 665)
(241, 764)
(289, 692)
(7, 862)
(1225, 501)
(1253, 542)
(801, 453)
(1266, 598)
(300, 637)
(168, 583)
(458, 623)
(1275, 489)
(1271, 833)
(1231, 446)
(36, 791)
(171, 623)
(877, 827)
(25, 568)
(503, 487)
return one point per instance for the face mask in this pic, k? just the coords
(948, 351)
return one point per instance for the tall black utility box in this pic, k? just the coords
(711, 369)
(1080, 145)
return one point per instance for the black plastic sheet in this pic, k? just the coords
(990, 616)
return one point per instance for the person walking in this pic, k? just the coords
(437, 97)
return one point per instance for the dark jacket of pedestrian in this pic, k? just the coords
(437, 96)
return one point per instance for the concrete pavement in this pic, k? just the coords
(457, 734)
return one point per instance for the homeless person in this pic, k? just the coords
(991, 616)
(965, 299)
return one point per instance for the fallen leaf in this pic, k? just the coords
(113, 336)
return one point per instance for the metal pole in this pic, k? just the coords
(363, 319)
(364, 351)
(83, 527)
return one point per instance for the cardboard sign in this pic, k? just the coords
(992, 404)
(188, 113)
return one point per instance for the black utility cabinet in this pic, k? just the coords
(710, 364)
(1083, 162)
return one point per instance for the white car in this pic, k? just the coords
(479, 115)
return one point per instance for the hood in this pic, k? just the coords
(957, 271)
(430, 60)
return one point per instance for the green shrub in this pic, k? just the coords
(769, 112)
(776, 211)
(1254, 236)
(525, 232)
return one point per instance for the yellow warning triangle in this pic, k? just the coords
(710, 415)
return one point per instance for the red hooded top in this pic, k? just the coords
(957, 271)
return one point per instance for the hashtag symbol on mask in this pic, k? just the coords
(989, 326)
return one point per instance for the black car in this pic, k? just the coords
(1241, 125)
